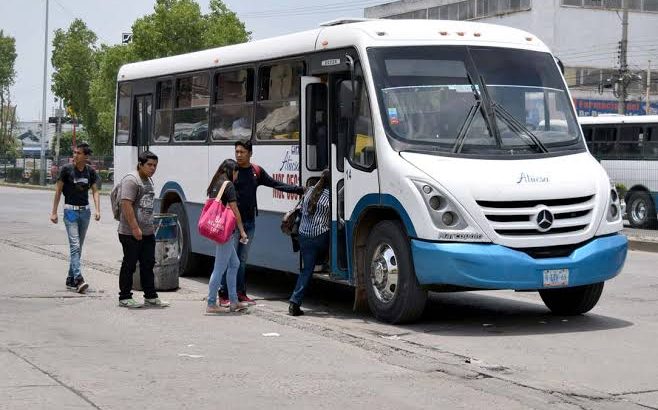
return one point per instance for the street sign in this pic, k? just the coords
(126, 38)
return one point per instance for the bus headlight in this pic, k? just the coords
(444, 213)
(614, 207)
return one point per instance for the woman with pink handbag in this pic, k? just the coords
(222, 200)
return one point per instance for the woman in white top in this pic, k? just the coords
(314, 235)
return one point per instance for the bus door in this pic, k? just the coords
(315, 141)
(355, 156)
(141, 121)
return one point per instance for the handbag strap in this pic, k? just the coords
(221, 191)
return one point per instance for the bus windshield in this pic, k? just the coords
(464, 100)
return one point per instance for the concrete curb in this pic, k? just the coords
(638, 244)
(41, 187)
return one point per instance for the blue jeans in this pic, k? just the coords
(310, 248)
(225, 270)
(76, 223)
(243, 253)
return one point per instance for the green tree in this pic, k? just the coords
(223, 27)
(74, 59)
(178, 26)
(102, 92)
(66, 142)
(7, 75)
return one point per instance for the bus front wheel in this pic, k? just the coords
(394, 295)
(572, 301)
(640, 210)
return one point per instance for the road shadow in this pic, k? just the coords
(446, 314)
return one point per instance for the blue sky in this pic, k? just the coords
(25, 19)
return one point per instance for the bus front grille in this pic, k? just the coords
(539, 217)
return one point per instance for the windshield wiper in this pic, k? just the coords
(512, 122)
(515, 124)
(489, 120)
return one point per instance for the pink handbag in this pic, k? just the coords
(217, 221)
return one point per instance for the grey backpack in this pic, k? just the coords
(115, 197)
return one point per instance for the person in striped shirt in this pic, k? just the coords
(314, 234)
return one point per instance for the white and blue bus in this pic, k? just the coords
(627, 147)
(456, 159)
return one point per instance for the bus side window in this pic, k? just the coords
(123, 114)
(604, 141)
(277, 111)
(163, 105)
(651, 142)
(361, 145)
(628, 145)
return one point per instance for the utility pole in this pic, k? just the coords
(623, 63)
(58, 133)
(648, 106)
(44, 118)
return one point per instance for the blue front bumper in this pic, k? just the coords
(489, 266)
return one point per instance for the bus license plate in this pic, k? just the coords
(556, 277)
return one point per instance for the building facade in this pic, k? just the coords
(584, 34)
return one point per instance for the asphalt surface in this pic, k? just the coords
(478, 349)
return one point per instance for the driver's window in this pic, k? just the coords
(362, 141)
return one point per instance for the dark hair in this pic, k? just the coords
(320, 186)
(228, 167)
(144, 157)
(86, 149)
(246, 144)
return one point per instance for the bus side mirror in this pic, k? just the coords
(346, 100)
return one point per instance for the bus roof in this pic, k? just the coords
(618, 119)
(339, 34)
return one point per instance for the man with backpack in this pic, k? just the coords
(136, 232)
(74, 181)
(250, 177)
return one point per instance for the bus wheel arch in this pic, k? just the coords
(640, 208)
(385, 269)
(367, 220)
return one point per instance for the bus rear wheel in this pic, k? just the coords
(572, 301)
(640, 210)
(394, 295)
(188, 263)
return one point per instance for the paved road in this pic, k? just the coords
(493, 349)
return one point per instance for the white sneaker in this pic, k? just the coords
(155, 302)
(130, 304)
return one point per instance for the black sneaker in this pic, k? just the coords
(70, 285)
(80, 285)
(294, 309)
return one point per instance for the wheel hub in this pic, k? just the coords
(384, 273)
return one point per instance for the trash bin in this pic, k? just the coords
(167, 254)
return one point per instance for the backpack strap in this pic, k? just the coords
(256, 171)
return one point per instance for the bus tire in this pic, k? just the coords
(394, 295)
(187, 261)
(640, 210)
(572, 301)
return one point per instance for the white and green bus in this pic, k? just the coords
(456, 159)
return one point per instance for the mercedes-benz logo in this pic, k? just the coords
(544, 220)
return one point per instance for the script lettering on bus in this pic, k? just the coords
(526, 178)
